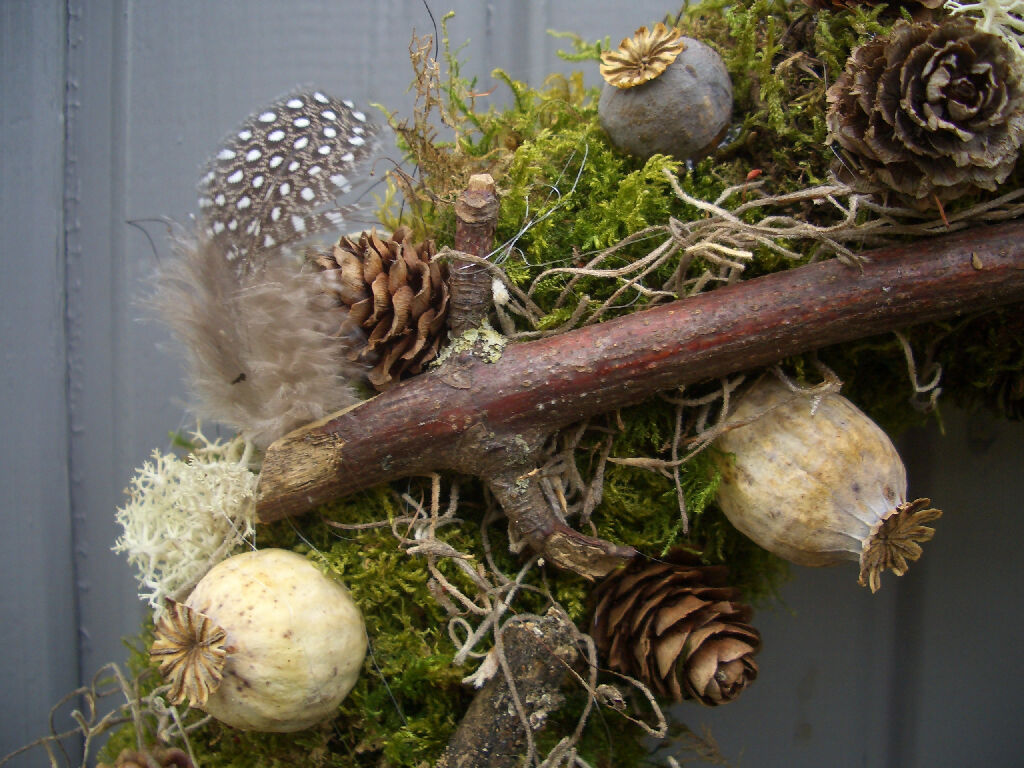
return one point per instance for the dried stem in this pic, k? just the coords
(476, 213)
(540, 527)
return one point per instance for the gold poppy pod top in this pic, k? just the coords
(642, 57)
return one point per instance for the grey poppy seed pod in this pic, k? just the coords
(683, 112)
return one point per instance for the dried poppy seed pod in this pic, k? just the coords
(665, 94)
(265, 642)
(816, 482)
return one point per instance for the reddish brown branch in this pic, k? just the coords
(520, 495)
(484, 418)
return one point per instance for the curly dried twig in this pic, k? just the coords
(153, 720)
(725, 243)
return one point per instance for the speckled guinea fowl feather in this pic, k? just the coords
(275, 180)
(260, 337)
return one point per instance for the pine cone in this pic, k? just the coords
(677, 627)
(396, 294)
(931, 111)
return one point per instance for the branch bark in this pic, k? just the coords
(489, 418)
(539, 652)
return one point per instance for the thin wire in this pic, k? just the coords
(137, 223)
(380, 673)
(562, 200)
(433, 21)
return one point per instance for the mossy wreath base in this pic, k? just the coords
(410, 698)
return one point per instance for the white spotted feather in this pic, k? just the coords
(294, 157)
(261, 339)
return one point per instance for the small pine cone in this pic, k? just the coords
(396, 294)
(931, 111)
(677, 627)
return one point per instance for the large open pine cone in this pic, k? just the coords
(679, 628)
(931, 111)
(397, 294)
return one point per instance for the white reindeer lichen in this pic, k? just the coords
(997, 17)
(186, 515)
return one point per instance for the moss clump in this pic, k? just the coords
(568, 194)
(409, 697)
(641, 507)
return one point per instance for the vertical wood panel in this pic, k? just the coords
(38, 654)
(99, 327)
(961, 672)
(822, 696)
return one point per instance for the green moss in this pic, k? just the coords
(983, 361)
(568, 194)
(641, 507)
(409, 697)
(781, 56)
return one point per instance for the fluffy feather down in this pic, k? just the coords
(263, 357)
